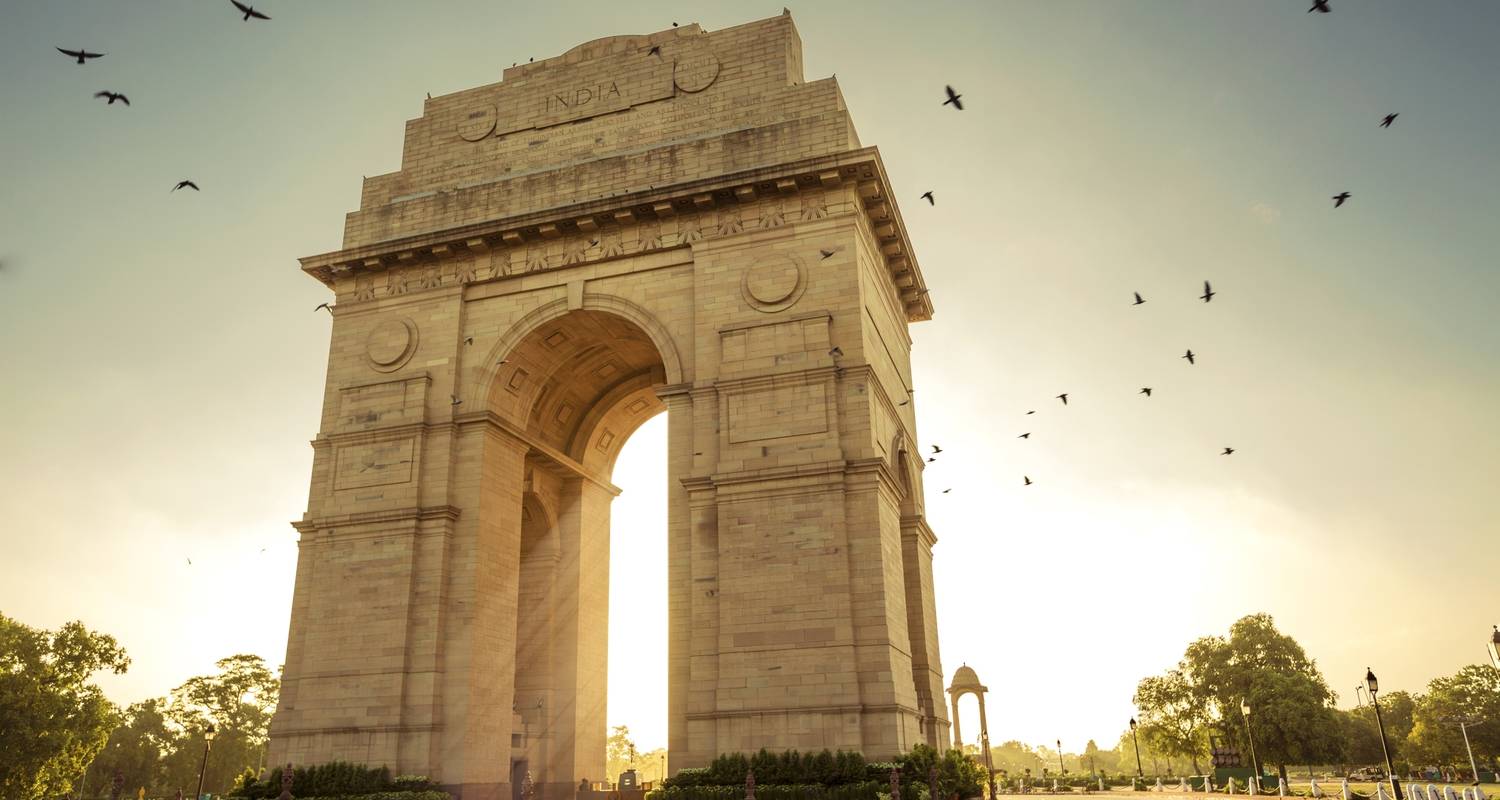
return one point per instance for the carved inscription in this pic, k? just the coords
(376, 464)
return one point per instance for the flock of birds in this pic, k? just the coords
(953, 98)
(956, 100)
(84, 56)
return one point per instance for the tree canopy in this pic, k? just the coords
(53, 720)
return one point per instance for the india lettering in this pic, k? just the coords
(581, 96)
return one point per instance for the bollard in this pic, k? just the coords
(1158, 786)
(1344, 789)
(1312, 788)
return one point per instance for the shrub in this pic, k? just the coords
(340, 779)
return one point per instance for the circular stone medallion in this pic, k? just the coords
(695, 69)
(477, 123)
(391, 344)
(773, 284)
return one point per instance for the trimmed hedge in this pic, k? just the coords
(428, 794)
(868, 790)
(339, 779)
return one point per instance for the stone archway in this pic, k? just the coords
(542, 275)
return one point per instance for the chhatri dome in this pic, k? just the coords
(965, 679)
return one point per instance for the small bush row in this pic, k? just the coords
(339, 779)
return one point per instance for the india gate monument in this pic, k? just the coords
(673, 222)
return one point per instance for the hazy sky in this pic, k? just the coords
(164, 370)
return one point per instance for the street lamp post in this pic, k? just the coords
(1359, 696)
(1374, 686)
(1139, 773)
(1495, 647)
(1254, 763)
(1061, 770)
(1463, 727)
(208, 738)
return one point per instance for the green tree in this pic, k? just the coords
(238, 702)
(1471, 695)
(53, 721)
(1174, 715)
(1292, 717)
(138, 748)
(619, 752)
(1015, 758)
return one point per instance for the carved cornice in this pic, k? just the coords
(590, 231)
(308, 525)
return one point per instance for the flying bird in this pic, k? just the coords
(1138, 299)
(80, 54)
(928, 197)
(1063, 397)
(249, 11)
(1145, 390)
(936, 449)
(454, 398)
(654, 51)
(1389, 118)
(113, 96)
(468, 340)
(953, 98)
(904, 402)
(1228, 451)
(323, 307)
(930, 460)
(1031, 412)
(502, 361)
(1208, 293)
(836, 351)
(1026, 435)
(184, 184)
(1189, 357)
(945, 491)
(190, 561)
(1339, 199)
(827, 254)
(1320, 6)
(1027, 480)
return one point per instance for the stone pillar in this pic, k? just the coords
(478, 687)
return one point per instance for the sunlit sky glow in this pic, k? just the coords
(164, 369)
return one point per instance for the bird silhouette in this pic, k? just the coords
(1320, 6)
(1228, 451)
(1389, 118)
(953, 98)
(185, 185)
(930, 460)
(1033, 412)
(936, 449)
(1208, 293)
(1026, 435)
(249, 11)
(455, 400)
(502, 361)
(654, 51)
(928, 197)
(945, 491)
(1145, 390)
(190, 561)
(904, 402)
(1138, 299)
(1339, 198)
(113, 96)
(323, 307)
(1026, 479)
(836, 351)
(1189, 357)
(827, 254)
(468, 340)
(80, 54)
(1063, 397)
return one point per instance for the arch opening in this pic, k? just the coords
(573, 387)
